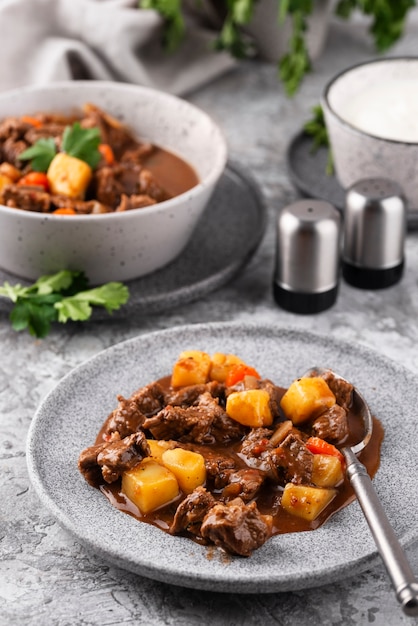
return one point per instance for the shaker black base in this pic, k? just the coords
(304, 303)
(364, 278)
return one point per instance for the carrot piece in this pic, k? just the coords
(65, 210)
(107, 153)
(239, 372)
(38, 179)
(28, 119)
(319, 446)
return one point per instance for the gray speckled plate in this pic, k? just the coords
(307, 172)
(226, 237)
(70, 417)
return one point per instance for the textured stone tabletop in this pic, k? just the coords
(46, 577)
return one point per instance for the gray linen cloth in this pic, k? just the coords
(48, 40)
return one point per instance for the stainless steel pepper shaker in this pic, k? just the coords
(374, 234)
(307, 256)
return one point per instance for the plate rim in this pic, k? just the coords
(200, 581)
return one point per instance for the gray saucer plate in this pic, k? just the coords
(226, 237)
(70, 417)
(307, 171)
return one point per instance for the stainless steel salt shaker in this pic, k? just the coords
(308, 251)
(374, 233)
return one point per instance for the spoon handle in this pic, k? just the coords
(399, 570)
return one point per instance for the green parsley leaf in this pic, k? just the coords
(296, 62)
(34, 313)
(388, 18)
(55, 282)
(41, 154)
(12, 291)
(316, 128)
(58, 298)
(82, 143)
(78, 307)
(174, 27)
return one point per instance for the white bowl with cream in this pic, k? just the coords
(371, 113)
(115, 246)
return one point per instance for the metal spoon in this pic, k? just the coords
(393, 556)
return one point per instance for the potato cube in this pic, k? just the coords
(327, 470)
(4, 181)
(191, 368)
(250, 407)
(150, 485)
(157, 448)
(222, 364)
(306, 398)
(306, 502)
(69, 176)
(187, 466)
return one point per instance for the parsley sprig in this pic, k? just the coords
(82, 143)
(316, 128)
(58, 298)
(387, 26)
(387, 18)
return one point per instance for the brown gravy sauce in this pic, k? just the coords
(173, 173)
(268, 498)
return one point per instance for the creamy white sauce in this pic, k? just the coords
(388, 110)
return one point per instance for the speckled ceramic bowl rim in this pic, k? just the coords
(290, 562)
(326, 104)
(208, 180)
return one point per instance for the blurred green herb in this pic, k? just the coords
(40, 154)
(316, 128)
(78, 142)
(82, 143)
(295, 63)
(388, 18)
(387, 26)
(58, 298)
(171, 11)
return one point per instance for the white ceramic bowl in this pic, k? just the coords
(369, 142)
(115, 246)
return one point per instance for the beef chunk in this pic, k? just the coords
(138, 153)
(217, 466)
(84, 207)
(186, 396)
(119, 456)
(112, 131)
(26, 198)
(244, 483)
(127, 203)
(236, 527)
(47, 130)
(341, 389)
(191, 511)
(332, 425)
(111, 182)
(131, 413)
(150, 399)
(11, 149)
(256, 442)
(126, 418)
(294, 459)
(205, 422)
(13, 127)
(256, 448)
(149, 186)
(88, 466)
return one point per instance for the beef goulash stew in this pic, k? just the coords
(220, 455)
(87, 163)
